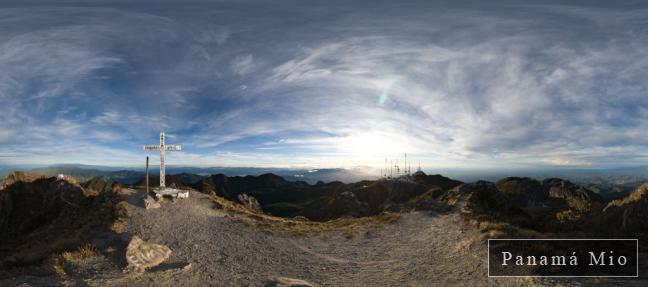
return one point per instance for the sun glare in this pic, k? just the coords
(373, 144)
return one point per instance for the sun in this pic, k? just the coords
(374, 144)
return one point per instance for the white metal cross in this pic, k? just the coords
(162, 147)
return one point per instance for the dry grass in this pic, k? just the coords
(120, 209)
(82, 253)
(299, 226)
(497, 229)
(57, 263)
(118, 226)
(486, 225)
(119, 213)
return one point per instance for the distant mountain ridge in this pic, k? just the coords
(550, 205)
(324, 201)
(612, 183)
(132, 175)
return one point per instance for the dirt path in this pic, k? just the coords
(418, 250)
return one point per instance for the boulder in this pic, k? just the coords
(141, 254)
(150, 203)
(249, 202)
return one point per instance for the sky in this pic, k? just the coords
(467, 84)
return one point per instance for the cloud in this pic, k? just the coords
(562, 161)
(209, 36)
(514, 94)
(243, 65)
(475, 85)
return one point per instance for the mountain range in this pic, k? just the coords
(41, 215)
(608, 183)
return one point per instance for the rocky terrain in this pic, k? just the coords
(40, 216)
(423, 230)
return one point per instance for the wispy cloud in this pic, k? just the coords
(243, 65)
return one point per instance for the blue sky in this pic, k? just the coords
(473, 84)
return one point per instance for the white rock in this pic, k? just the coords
(141, 254)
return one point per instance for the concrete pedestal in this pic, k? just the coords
(167, 191)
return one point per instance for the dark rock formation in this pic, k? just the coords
(16, 176)
(435, 180)
(214, 184)
(578, 198)
(523, 191)
(483, 199)
(249, 202)
(364, 198)
(100, 184)
(45, 215)
(627, 216)
(324, 201)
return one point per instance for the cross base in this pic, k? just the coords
(173, 192)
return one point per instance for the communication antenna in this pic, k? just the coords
(385, 167)
(397, 169)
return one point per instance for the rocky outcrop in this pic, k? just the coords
(325, 201)
(216, 184)
(45, 215)
(150, 203)
(577, 197)
(100, 184)
(364, 198)
(627, 216)
(442, 182)
(638, 196)
(552, 193)
(268, 189)
(482, 199)
(29, 205)
(523, 191)
(249, 202)
(344, 203)
(16, 176)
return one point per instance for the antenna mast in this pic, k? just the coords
(405, 171)
(385, 175)
(397, 169)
